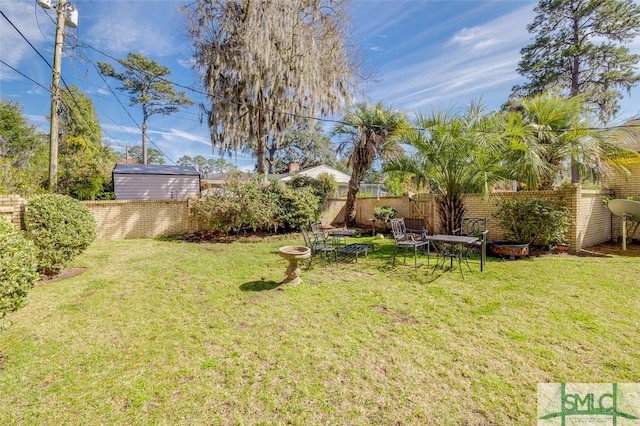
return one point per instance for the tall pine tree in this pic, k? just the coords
(579, 49)
(145, 82)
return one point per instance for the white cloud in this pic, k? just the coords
(476, 62)
(187, 63)
(179, 136)
(15, 49)
(478, 38)
(141, 27)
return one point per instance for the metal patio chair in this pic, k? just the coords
(405, 239)
(318, 246)
(476, 227)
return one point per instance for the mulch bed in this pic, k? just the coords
(63, 275)
(221, 237)
(209, 237)
(611, 248)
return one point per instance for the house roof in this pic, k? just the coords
(314, 172)
(154, 169)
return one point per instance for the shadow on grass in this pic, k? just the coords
(259, 285)
(425, 271)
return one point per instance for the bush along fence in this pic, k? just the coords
(590, 220)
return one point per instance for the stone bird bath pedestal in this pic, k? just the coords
(294, 254)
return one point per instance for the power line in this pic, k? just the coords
(80, 110)
(25, 76)
(304, 117)
(127, 111)
(25, 39)
(213, 97)
(81, 43)
(200, 92)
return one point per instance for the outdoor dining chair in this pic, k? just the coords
(318, 233)
(417, 226)
(405, 239)
(318, 245)
(472, 226)
(475, 227)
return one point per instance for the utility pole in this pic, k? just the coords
(55, 97)
(66, 14)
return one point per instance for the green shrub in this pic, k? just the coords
(253, 204)
(294, 206)
(325, 186)
(534, 221)
(328, 184)
(366, 195)
(17, 268)
(60, 228)
(215, 210)
(242, 204)
(385, 213)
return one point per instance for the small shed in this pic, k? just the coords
(155, 182)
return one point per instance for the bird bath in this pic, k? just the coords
(294, 254)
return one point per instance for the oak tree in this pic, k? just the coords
(267, 62)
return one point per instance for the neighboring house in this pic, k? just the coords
(212, 180)
(155, 182)
(341, 178)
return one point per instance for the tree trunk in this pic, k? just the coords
(271, 150)
(261, 142)
(451, 210)
(350, 206)
(352, 194)
(575, 91)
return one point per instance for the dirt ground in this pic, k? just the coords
(63, 275)
(611, 248)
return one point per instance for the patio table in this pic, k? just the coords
(456, 246)
(339, 235)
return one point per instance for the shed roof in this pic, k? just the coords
(154, 169)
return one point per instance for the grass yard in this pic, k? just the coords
(169, 332)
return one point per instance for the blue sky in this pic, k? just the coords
(426, 55)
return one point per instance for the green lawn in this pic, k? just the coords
(169, 332)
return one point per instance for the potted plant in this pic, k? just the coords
(530, 222)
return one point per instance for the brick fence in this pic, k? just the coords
(124, 219)
(11, 207)
(592, 223)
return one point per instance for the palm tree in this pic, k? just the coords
(456, 154)
(369, 133)
(549, 135)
